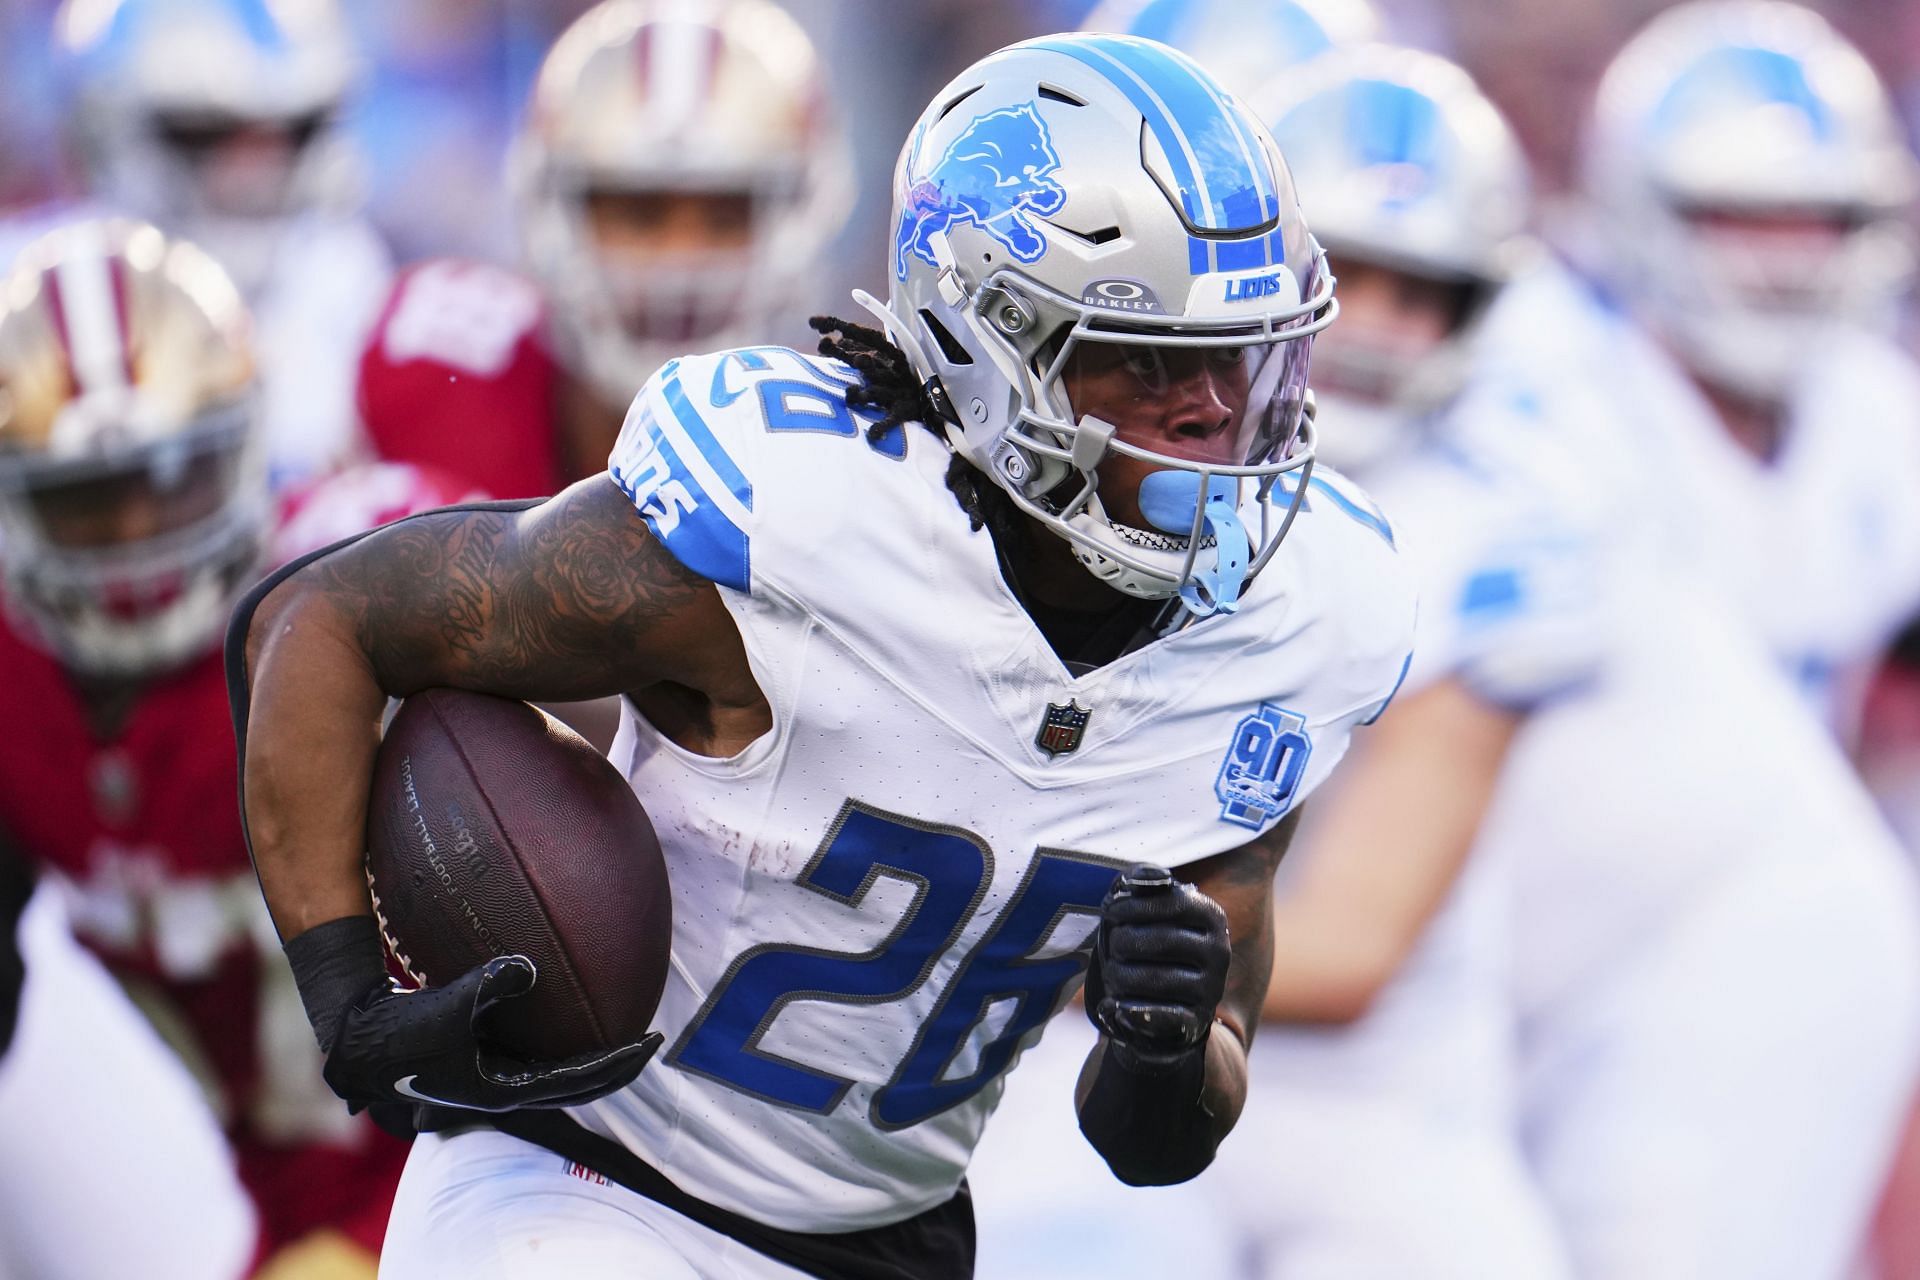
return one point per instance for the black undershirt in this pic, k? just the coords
(1083, 639)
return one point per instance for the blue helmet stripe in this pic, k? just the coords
(262, 28)
(1228, 157)
(1224, 179)
(1392, 123)
(1743, 71)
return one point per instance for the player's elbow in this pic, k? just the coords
(1345, 983)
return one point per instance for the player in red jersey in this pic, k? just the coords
(678, 175)
(133, 506)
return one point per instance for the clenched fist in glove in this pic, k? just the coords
(1159, 970)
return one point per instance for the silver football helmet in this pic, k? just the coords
(657, 98)
(1725, 110)
(1101, 197)
(1242, 43)
(219, 121)
(133, 491)
(1406, 165)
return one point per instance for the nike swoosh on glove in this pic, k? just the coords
(429, 1046)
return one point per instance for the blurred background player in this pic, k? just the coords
(1399, 1135)
(678, 173)
(1547, 652)
(1383, 1086)
(133, 507)
(1743, 244)
(110, 1163)
(221, 121)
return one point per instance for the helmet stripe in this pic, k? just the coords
(85, 291)
(1743, 71)
(1392, 123)
(1224, 178)
(262, 28)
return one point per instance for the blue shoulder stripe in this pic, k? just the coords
(701, 436)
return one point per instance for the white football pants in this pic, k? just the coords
(481, 1205)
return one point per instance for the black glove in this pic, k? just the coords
(1159, 968)
(392, 1046)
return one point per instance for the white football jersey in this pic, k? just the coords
(879, 903)
(1512, 592)
(1819, 547)
(310, 323)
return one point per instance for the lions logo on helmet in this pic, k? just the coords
(996, 175)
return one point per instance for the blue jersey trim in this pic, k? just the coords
(695, 532)
(703, 438)
(1406, 665)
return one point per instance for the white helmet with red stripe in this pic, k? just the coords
(217, 119)
(133, 497)
(715, 105)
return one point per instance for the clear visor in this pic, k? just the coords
(1223, 399)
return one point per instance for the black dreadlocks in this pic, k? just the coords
(889, 383)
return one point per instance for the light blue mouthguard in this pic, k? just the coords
(1167, 500)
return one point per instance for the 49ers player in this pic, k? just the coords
(133, 505)
(678, 172)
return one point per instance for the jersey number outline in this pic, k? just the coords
(950, 869)
(817, 401)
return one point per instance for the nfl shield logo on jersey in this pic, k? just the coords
(1263, 767)
(1062, 727)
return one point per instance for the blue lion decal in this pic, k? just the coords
(996, 173)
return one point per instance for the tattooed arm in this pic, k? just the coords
(568, 599)
(1176, 986)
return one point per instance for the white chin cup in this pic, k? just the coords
(1164, 551)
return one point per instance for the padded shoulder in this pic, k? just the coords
(740, 460)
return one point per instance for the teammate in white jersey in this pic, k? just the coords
(1747, 183)
(111, 1163)
(221, 123)
(922, 647)
(1382, 1082)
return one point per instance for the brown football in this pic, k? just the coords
(495, 830)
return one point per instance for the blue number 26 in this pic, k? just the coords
(948, 869)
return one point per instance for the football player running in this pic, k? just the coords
(1746, 192)
(679, 172)
(221, 123)
(982, 617)
(133, 510)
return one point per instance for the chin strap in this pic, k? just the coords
(1167, 500)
